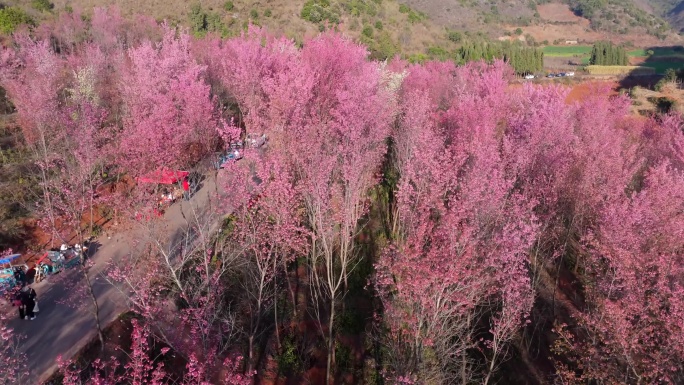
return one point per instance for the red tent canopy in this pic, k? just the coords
(163, 177)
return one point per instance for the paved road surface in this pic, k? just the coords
(62, 330)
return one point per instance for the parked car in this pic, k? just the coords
(529, 76)
(10, 270)
(562, 74)
(226, 157)
(233, 152)
(570, 74)
(256, 140)
(551, 75)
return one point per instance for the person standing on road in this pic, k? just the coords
(186, 189)
(29, 300)
(19, 304)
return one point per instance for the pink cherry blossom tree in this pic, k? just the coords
(328, 119)
(270, 236)
(32, 76)
(142, 367)
(170, 120)
(338, 158)
(465, 233)
(634, 322)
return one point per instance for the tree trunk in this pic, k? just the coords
(92, 203)
(96, 308)
(293, 291)
(331, 344)
(255, 327)
(491, 364)
(250, 358)
(275, 302)
(464, 365)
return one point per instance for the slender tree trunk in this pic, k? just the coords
(275, 303)
(464, 365)
(250, 357)
(491, 364)
(92, 209)
(293, 291)
(560, 264)
(331, 344)
(96, 308)
(46, 191)
(255, 327)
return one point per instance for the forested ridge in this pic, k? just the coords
(405, 223)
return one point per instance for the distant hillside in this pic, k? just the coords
(618, 17)
(478, 15)
(670, 10)
(675, 16)
(415, 29)
(387, 27)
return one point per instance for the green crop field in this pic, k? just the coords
(567, 50)
(658, 51)
(637, 52)
(656, 59)
(661, 66)
(582, 50)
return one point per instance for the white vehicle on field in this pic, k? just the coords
(529, 76)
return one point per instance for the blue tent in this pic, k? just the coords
(9, 258)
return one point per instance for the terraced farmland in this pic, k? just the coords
(567, 51)
(657, 59)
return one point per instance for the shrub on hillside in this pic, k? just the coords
(454, 36)
(317, 11)
(438, 53)
(385, 47)
(11, 18)
(202, 22)
(587, 8)
(367, 31)
(415, 17)
(670, 75)
(42, 5)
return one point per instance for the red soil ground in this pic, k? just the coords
(636, 60)
(581, 91)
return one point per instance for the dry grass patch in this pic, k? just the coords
(560, 13)
(619, 70)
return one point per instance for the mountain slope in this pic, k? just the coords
(676, 16)
(619, 17)
(386, 26)
(415, 29)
